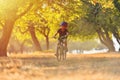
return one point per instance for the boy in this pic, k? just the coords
(63, 32)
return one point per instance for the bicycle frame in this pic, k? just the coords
(61, 50)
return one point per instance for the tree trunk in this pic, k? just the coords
(111, 47)
(106, 40)
(45, 32)
(109, 43)
(7, 30)
(115, 31)
(47, 43)
(34, 38)
(116, 35)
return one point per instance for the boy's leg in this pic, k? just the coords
(66, 46)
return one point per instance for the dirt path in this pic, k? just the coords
(46, 67)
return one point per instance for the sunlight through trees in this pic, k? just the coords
(32, 21)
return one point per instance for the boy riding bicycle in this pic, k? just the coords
(63, 33)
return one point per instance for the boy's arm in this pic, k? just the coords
(55, 35)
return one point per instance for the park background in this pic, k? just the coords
(27, 46)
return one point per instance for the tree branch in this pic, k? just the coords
(22, 32)
(48, 31)
(87, 2)
(40, 31)
(101, 33)
(43, 18)
(101, 38)
(24, 12)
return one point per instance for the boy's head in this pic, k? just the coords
(64, 25)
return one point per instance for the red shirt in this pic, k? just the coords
(62, 32)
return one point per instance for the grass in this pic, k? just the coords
(44, 66)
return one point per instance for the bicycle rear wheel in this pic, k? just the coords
(64, 54)
(58, 54)
(61, 53)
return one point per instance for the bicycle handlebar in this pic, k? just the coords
(62, 37)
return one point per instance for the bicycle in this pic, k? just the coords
(61, 49)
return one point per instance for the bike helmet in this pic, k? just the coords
(64, 24)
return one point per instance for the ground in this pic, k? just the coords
(44, 66)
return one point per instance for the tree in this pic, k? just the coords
(43, 28)
(9, 6)
(31, 30)
(45, 31)
(97, 15)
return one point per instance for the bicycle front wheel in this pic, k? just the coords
(64, 54)
(58, 53)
